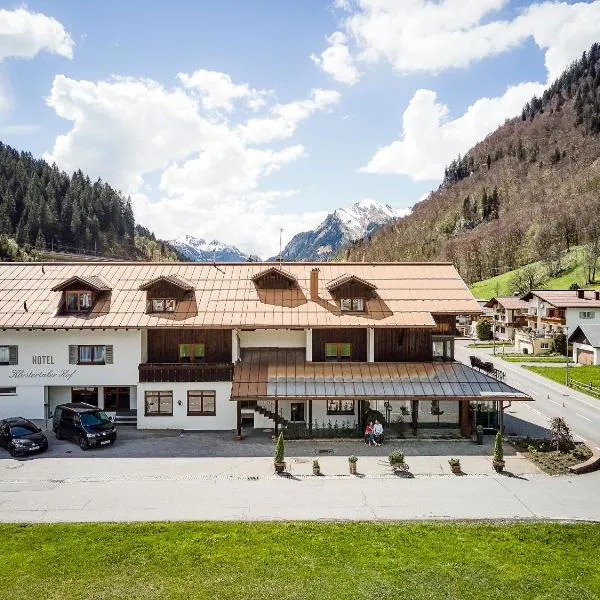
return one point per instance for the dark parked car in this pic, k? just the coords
(21, 437)
(83, 423)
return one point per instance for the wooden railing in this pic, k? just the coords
(185, 372)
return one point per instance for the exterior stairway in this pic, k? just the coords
(266, 408)
(126, 417)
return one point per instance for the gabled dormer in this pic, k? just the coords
(164, 293)
(274, 278)
(81, 293)
(351, 292)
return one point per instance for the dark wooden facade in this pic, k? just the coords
(163, 344)
(403, 345)
(446, 324)
(152, 373)
(356, 337)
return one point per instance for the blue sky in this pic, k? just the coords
(232, 119)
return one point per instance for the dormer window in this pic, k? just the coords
(78, 301)
(352, 304)
(163, 305)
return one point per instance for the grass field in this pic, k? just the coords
(532, 359)
(583, 375)
(500, 285)
(302, 561)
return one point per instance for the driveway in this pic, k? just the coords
(581, 412)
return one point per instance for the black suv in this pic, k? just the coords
(83, 423)
(21, 437)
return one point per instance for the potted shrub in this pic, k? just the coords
(454, 465)
(279, 461)
(352, 460)
(316, 467)
(498, 460)
(396, 458)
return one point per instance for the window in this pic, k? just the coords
(545, 346)
(340, 407)
(91, 355)
(587, 315)
(8, 355)
(202, 403)
(191, 352)
(78, 301)
(338, 351)
(164, 305)
(159, 404)
(7, 390)
(352, 304)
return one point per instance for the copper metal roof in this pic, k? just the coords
(346, 278)
(566, 298)
(225, 295)
(275, 373)
(172, 279)
(94, 282)
(508, 302)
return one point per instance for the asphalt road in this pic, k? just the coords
(581, 412)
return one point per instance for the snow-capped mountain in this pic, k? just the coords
(199, 250)
(339, 228)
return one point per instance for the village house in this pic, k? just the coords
(197, 346)
(552, 312)
(508, 315)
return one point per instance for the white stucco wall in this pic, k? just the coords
(58, 376)
(225, 419)
(273, 338)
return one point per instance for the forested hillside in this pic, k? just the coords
(528, 192)
(43, 208)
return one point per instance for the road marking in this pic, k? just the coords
(580, 415)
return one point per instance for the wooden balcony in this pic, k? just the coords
(185, 372)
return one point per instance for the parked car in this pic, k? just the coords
(83, 423)
(22, 437)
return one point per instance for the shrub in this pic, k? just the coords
(561, 435)
(498, 449)
(396, 457)
(484, 330)
(280, 449)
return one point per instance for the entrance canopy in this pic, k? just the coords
(285, 375)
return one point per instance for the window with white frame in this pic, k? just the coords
(8, 355)
(587, 314)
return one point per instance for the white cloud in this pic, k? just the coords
(285, 118)
(218, 91)
(430, 140)
(23, 34)
(423, 36)
(337, 60)
(125, 128)
(210, 173)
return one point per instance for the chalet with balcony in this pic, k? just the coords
(551, 312)
(508, 314)
(242, 346)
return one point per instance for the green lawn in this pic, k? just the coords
(302, 561)
(532, 359)
(583, 375)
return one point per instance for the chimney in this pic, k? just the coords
(314, 284)
(581, 293)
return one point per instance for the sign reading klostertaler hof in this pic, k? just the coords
(46, 360)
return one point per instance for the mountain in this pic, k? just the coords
(198, 250)
(44, 209)
(528, 192)
(339, 228)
